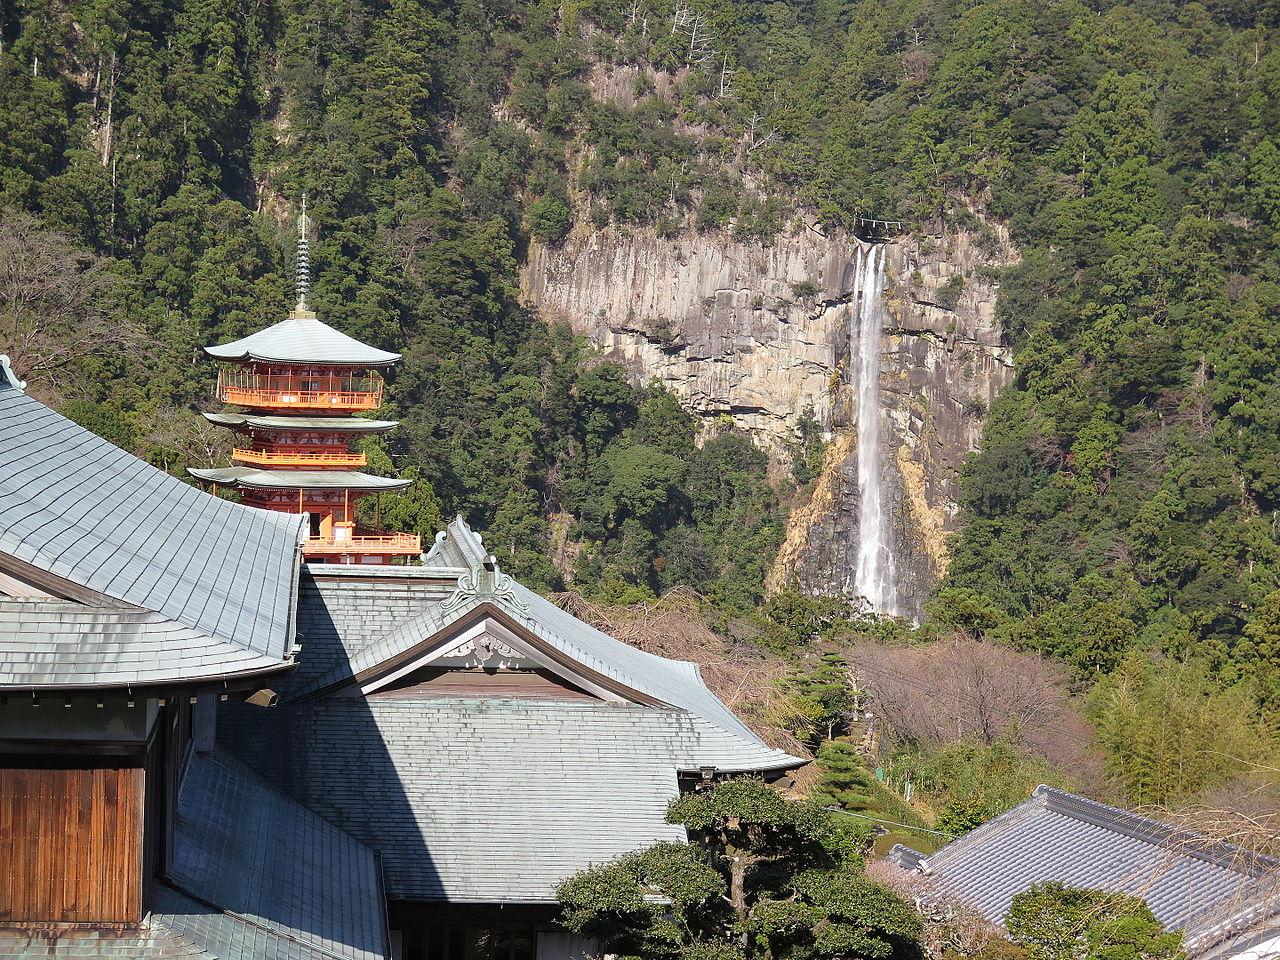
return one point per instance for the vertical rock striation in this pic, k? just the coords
(761, 334)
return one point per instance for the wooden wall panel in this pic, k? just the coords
(72, 842)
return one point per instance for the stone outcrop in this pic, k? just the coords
(761, 334)
(737, 329)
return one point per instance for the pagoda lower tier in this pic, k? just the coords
(330, 497)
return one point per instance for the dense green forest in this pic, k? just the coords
(1123, 514)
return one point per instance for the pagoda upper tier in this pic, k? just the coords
(301, 338)
(301, 364)
(301, 382)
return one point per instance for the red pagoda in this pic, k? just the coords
(300, 383)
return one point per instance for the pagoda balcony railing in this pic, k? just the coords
(290, 392)
(400, 544)
(263, 458)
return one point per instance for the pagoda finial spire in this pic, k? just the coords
(303, 280)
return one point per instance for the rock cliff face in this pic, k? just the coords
(734, 329)
(762, 334)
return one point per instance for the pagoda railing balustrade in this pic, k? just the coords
(386, 543)
(336, 458)
(309, 391)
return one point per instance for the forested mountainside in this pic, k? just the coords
(1125, 496)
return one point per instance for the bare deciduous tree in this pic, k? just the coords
(951, 929)
(755, 137)
(183, 437)
(963, 688)
(685, 20)
(673, 626)
(55, 302)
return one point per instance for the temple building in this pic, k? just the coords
(485, 742)
(211, 749)
(300, 384)
(131, 605)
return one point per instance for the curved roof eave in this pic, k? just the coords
(301, 338)
(340, 424)
(299, 479)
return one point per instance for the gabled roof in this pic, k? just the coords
(459, 556)
(94, 524)
(339, 424)
(1190, 882)
(256, 479)
(301, 338)
(477, 797)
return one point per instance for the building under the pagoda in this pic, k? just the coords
(300, 385)
(208, 749)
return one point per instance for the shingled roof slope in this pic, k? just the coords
(85, 512)
(152, 941)
(458, 555)
(1190, 883)
(484, 800)
(273, 868)
(61, 644)
(303, 339)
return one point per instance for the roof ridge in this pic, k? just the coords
(1141, 827)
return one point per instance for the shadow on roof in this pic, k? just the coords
(283, 746)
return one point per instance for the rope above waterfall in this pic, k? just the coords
(886, 226)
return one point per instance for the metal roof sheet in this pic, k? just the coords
(1189, 882)
(281, 876)
(483, 800)
(298, 479)
(301, 338)
(78, 508)
(49, 643)
(340, 424)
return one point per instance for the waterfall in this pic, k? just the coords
(874, 578)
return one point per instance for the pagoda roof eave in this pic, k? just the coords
(251, 478)
(339, 424)
(303, 339)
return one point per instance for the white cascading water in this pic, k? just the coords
(874, 579)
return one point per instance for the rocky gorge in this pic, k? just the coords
(764, 334)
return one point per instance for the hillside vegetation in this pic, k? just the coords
(1122, 515)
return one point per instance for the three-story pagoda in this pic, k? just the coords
(300, 384)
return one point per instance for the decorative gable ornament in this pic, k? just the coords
(484, 650)
(7, 374)
(481, 582)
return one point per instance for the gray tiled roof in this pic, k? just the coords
(275, 870)
(302, 339)
(1190, 883)
(76, 507)
(341, 424)
(337, 618)
(217, 934)
(297, 479)
(676, 683)
(484, 800)
(152, 941)
(63, 644)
